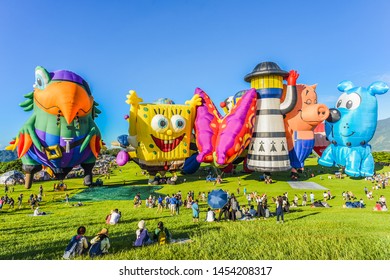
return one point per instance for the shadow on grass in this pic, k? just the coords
(305, 216)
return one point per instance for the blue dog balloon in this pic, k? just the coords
(349, 128)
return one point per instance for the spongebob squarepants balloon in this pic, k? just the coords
(349, 128)
(161, 133)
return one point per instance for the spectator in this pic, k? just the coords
(81, 244)
(304, 199)
(279, 209)
(160, 205)
(224, 211)
(161, 234)
(115, 216)
(312, 198)
(295, 201)
(172, 204)
(210, 217)
(234, 207)
(142, 235)
(102, 237)
(38, 213)
(20, 200)
(195, 211)
(66, 198)
(252, 211)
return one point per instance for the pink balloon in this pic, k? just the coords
(122, 158)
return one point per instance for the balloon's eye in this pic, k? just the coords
(178, 123)
(160, 123)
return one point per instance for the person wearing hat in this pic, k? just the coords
(142, 235)
(102, 236)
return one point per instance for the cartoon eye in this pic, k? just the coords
(178, 123)
(41, 78)
(339, 102)
(349, 101)
(308, 102)
(160, 123)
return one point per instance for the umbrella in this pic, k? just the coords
(217, 199)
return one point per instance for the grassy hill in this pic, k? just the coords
(381, 139)
(308, 234)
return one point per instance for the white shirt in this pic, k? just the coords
(210, 216)
(114, 218)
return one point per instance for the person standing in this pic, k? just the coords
(160, 206)
(172, 204)
(20, 200)
(304, 199)
(279, 209)
(234, 207)
(224, 211)
(312, 198)
(178, 203)
(66, 198)
(195, 211)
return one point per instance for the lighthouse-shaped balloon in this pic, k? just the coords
(268, 150)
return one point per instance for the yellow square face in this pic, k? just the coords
(164, 131)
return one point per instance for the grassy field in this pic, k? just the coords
(309, 233)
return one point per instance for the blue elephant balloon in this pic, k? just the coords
(349, 128)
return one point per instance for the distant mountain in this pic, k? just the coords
(381, 140)
(6, 156)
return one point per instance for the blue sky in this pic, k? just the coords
(168, 48)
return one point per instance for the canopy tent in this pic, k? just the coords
(11, 177)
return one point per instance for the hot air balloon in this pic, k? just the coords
(350, 126)
(61, 133)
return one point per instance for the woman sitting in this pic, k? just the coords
(142, 235)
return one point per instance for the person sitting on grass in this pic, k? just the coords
(102, 238)
(161, 234)
(115, 216)
(210, 216)
(78, 244)
(38, 213)
(142, 235)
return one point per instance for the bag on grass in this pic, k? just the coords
(95, 249)
(162, 237)
(70, 250)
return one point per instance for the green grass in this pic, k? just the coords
(308, 234)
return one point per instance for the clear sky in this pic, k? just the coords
(168, 48)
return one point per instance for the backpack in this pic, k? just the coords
(70, 250)
(95, 249)
(162, 237)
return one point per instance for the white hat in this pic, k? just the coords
(141, 224)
